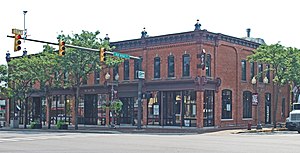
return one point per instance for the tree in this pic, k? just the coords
(5, 91)
(47, 66)
(21, 80)
(80, 63)
(283, 66)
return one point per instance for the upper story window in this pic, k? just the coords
(268, 72)
(136, 68)
(66, 77)
(156, 67)
(208, 65)
(186, 65)
(244, 70)
(252, 69)
(171, 66)
(126, 70)
(97, 77)
(115, 71)
(260, 72)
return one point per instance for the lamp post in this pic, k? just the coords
(25, 30)
(112, 84)
(259, 89)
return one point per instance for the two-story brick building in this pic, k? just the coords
(196, 78)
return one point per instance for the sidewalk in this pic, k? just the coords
(145, 129)
(124, 129)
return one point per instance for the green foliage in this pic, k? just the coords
(59, 124)
(116, 105)
(285, 62)
(33, 124)
(5, 91)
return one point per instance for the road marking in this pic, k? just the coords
(43, 137)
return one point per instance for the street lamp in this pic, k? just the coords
(253, 82)
(112, 84)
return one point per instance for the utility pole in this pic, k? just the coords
(139, 123)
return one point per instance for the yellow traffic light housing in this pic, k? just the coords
(62, 48)
(102, 54)
(17, 42)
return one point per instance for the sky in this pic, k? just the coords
(274, 21)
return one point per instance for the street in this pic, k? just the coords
(221, 142)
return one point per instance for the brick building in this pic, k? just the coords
(196, 78)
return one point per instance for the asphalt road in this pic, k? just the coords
(216, 142)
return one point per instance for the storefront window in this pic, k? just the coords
(189, 105)
(226, 104)
(153, 109)
(247, 104)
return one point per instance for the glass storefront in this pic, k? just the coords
(172, 108)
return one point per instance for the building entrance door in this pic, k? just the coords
(172, 108)
(208, 108)
(90, 109)
(127, 113)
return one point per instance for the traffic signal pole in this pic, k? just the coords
(75, 47)
(113, 54)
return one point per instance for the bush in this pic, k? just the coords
(61, 124)
(35, 125)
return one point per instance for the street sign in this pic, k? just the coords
(121, 55)
(17, 31)
(140, 74)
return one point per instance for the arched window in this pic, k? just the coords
(226, 104)
(208, 65)
(186, 65)
(156, 67)
(252, 69)
(115, 71)
(171, 66)
(247, 104)
(243, 70)
(126, 70)
(136, 68)
(97, 77)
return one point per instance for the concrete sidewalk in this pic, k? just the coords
(145, 129)
(124, 129)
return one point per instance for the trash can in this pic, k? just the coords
(249, 126)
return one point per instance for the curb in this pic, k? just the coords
(263, 130)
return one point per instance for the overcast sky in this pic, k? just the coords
(274, 21)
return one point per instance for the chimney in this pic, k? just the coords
(248, 32)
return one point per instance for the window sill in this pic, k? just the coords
(247, 119)
(186, 77)
(224, 120)
(156, 79)
(171, 78)
(244, 81)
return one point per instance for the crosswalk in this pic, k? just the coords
(18, 138)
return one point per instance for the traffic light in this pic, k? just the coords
(102, 54)
(17, 42)
(61, 48)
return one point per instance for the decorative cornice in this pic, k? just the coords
(184, 37)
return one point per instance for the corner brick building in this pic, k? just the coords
(195, 79)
